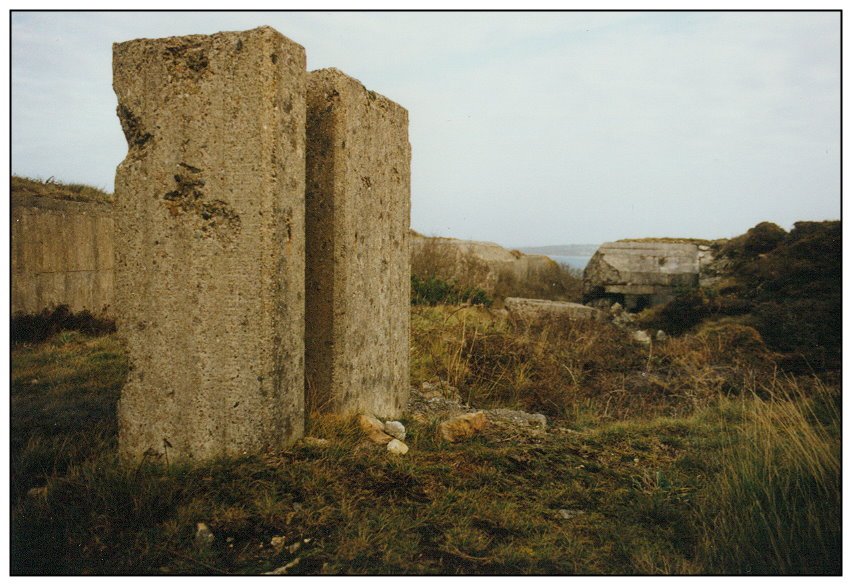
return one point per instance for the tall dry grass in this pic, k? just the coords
(775, 507)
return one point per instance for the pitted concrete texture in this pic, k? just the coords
(653, 269)
(535, 308)
(357, 230)
(61, 255)
(209, 263)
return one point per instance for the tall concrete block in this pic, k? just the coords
(209, 243)
(357, 229)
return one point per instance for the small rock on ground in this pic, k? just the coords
(373, 429)
(397, 447)
(395, 429)
(203, 535)
(462, 426)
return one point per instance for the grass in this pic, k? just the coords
(653, 474)
(59, 190)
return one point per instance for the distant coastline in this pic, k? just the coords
(573, 261)
(562, 249)
(574, 255)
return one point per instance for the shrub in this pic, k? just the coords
(556, 282)
(41, 326)
(758, 240)
(435, 291)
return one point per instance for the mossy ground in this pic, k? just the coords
(634, 493)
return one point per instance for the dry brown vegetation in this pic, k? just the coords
(57, 189)
(436, 262)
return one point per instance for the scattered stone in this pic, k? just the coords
(439, 390)
(37, 492)
(517, 418)
(283, 569)
(277, 542)
(661, 336)
(395, 429)
(379, 437)
(397, 447)
(642, 337)
(462, 426)
(203, 536)
(294, 547)
(373, 429)
(369, 423)
(315, 442)
(568, 514)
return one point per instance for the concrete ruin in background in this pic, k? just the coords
(209, 264)
(358, 266)
(61, 255)
(640, 274)
(472, 263)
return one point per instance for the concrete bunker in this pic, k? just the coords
(640, 274)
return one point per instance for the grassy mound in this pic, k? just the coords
(787, 286)
(59, 190)
(688, 457)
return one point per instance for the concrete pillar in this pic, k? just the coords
(209, 244)
(358, 272)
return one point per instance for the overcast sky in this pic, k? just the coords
(526, 128)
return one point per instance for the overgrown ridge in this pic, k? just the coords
(58, 190)
(713, 450)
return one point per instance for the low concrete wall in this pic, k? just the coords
(61, 255)
(529, 309)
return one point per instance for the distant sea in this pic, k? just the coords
(576, 262)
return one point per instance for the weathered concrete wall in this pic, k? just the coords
(209, 216)
(529, 309)
(357, 230)
(650, 271)
(61, 255)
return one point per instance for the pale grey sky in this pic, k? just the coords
(526, 128)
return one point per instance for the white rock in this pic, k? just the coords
(642, 337)
(395, 429)
(568, 513)
(203, 535)
(397, 447)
